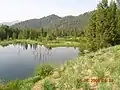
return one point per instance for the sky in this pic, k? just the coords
(12, 10)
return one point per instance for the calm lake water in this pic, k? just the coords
(19, 61)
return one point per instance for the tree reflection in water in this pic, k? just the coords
(40, 53)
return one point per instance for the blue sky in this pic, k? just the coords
(21, 10)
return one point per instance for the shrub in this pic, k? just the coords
(48, 85)
(13, 85)
(1, 86)
(43, 70)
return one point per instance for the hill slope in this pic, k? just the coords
(53, 21)
(93, 71)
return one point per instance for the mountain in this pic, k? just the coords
(9, 23)
(53, 21)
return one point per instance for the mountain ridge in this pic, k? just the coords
(55, 21)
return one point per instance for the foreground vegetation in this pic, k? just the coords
(41, 72)
(26, 84)
(53, 43)
(100, 70)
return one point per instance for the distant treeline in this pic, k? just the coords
(7, 32)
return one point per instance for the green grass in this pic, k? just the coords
(26, 84)
(53, 43)
(44, 70)
(104, 64)
(48, 85)
(41, 71)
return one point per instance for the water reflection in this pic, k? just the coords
(19, 60)
(39, 52)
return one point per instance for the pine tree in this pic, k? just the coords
(118, 22)
(90, 32)
(20, 36)
(113, 20)
(101, 24)
(14, 36)
(102, 29)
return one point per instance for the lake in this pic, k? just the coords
(19, 61)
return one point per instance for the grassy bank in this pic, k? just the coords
(26, 84)
(96, 70)
(99, 71)
(41, 71)
(53, 43)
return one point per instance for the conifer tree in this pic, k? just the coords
(112, 23)
(102, 29)
(90, 31)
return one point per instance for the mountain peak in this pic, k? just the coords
(53, 16)
(53, 20)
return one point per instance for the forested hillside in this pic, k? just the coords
(53, 21)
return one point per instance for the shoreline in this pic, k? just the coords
(54, 43)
